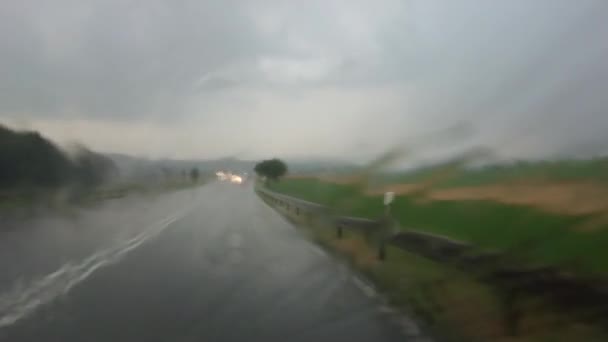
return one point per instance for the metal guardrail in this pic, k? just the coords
(432, 246)
(285, 199)
(301, 206)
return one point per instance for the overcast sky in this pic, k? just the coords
(203, 79)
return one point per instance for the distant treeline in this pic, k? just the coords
(27, 159)
(594, 169)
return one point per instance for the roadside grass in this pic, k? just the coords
(23, 200)
(13, 202)
(455, 306)
(526, 234)
(27, 197)
(122, 190)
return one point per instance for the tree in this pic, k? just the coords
(194, 174)
(29, 159)
(93, 169)
(272, 169)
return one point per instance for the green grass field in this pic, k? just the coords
(60, 199)
(527, 234)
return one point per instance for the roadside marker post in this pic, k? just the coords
(389, 197)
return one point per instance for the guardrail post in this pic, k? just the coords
(384, 232)
(382, 250)
(339, 231)
(367, 235)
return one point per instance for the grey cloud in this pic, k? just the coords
(115, 59)
(215, 83)
(530, 76)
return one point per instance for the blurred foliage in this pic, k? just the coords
(29, 160)
(194, 174)
(271, 168)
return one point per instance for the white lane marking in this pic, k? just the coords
(21, 302)
(387, 310)
(317, 250)
(408, 327)
(364, 287)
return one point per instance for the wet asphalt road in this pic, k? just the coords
(214, 264)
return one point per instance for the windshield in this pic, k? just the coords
(303, 170)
